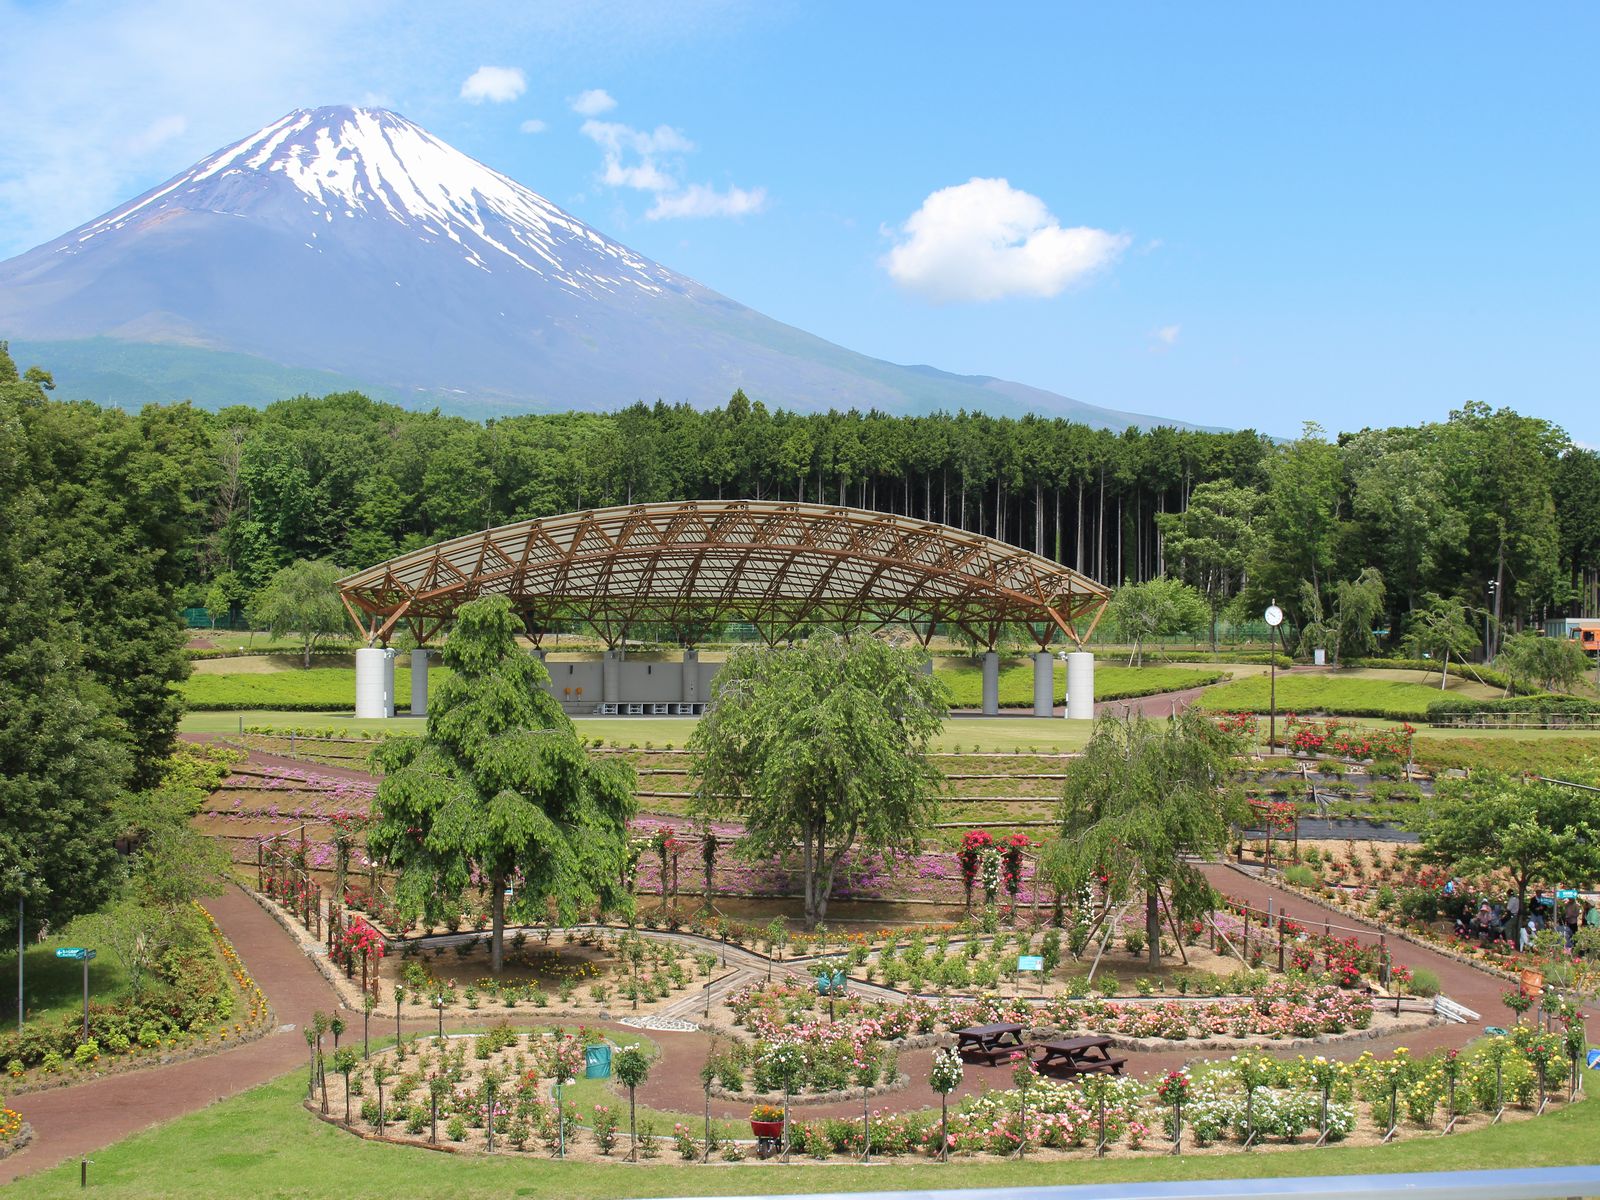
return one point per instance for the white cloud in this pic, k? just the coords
(702, 200)
(1166, 336)
(593, 102)
(650, 161)
(496, 84)
(618, 141)
(158, 133)
(533, 125)
(986, 240)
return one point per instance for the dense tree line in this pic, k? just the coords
(99, 513)
(1442, 509)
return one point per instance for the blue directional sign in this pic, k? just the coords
(1030, 962)
(1594, 1059)
(77, 952)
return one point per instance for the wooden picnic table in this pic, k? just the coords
(990, 1042)
(1066, 1057)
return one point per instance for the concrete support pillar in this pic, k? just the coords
(1044, 684)
(1080, 686)
(991, 684)
(419, 683)
(927, 665)
(374, 682)
(611, 677)
(691, 676)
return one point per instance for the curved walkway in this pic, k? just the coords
(79, 1119)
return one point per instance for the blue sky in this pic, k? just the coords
(1237, 215)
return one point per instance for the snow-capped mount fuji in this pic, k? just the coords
(350, 247)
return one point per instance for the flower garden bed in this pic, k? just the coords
(449, 1093)
(15, 1133)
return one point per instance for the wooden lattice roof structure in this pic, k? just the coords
(697, 563)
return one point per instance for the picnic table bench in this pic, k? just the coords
(990, 1043)
(1067, 1057)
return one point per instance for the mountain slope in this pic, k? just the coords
(348, 244)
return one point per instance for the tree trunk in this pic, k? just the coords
(497, 938)
(1152, 924)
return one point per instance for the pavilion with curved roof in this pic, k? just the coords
(695, 565)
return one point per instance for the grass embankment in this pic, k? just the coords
(965, 682)
(263, 1143)
(275, 682)
(1390, 695)
(53, 986)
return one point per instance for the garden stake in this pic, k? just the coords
(380, 1109)
(944, 1127)
(1543, 1099)
(1499, 1100)
(1394, 1110)
(1324, 1136)
(433, 1116)
(785, 1124)
(866, 1130)
(488, 1122)
(1177, 1125)
(561, 1122)
(83, 1172)
(1249, 1117)
(399, 994)
(1100, 1149)
(1450, 1125)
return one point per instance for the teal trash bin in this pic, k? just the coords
(597, 1061)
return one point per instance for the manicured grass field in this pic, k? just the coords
(262, 1143)
(271, 683)
(1111, 682)
(986, 733)
(1357, 693)
(53, 986)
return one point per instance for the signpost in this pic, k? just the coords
(1032, 962)
(82, 955)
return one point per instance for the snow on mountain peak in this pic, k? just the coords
(343, 162)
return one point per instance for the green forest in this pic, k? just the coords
(1444, 509)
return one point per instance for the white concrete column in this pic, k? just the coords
(369, 681)
(419, 683)
(1044, 684)
(991, 684)
(389, 655)
(691, 676)
(611, 677)
(1080, 686)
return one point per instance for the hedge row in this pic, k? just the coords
(1544, 705)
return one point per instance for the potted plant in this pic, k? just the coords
(766, 1121)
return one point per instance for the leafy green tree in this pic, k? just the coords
(1143, 801)
(1544, 662)
(303, 599)
(1211, 541)
(1299, 523)
(500, 791)
(1537, 832)
(1348, 628)
(632, 1066)
(824, 746)
(1154, 608)
(1441, 627)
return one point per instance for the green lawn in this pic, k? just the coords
(262, 1143)
(1355, 693)
(53, 986)
(323, 689)
(1111, 682)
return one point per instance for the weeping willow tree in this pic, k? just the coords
(1143, 798)
(500, 791)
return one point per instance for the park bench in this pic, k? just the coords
(1067, 1057)
(990, 1043)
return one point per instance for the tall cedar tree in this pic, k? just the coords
(1142, 798)
(500, 792)
(819, 747)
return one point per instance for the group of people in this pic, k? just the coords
(1508, 922)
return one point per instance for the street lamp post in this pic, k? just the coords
(1274, 618)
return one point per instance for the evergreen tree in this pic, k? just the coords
(500, 792)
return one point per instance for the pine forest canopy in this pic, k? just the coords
(1439, 508)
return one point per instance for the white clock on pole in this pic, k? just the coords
(1274, 615)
